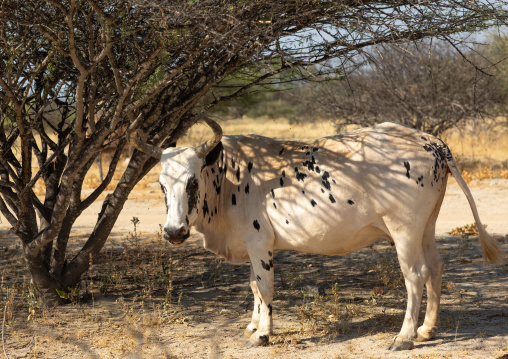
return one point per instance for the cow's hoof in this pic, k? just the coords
(257, 340)
(249, 331)
(424, 335)
(401, 344)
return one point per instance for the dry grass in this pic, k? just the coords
(466, 230)
(481, 150)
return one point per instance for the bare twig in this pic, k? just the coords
(3, 330)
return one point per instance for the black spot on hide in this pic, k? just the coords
(247, 189)
(273, 193)
(281, 182)
(332, 199)
(258, 278)
(428, 148)
(265, 265)
(192, 193)
(165, 197)
(281, 151)
(325, 181)
(300, 176)
(310, 163)
(249, 166)
(350, 202)
(287, 222)
(256, 224)
(408, 167)
(233, 199)
(313, 203)
(205, 208)
(274, 205)
(238, 174)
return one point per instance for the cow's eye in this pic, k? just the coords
(192, 185)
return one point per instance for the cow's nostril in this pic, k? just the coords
(183, 231)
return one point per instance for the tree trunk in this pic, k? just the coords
(45, 286)
(63, 276)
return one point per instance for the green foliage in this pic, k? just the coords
(267, 98)
(72, 295)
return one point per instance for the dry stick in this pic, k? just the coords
(3, 330)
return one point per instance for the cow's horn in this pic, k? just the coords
(151, 150)
(206, 147)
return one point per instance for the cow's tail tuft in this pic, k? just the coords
(491, 251)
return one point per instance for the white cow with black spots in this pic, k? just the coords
(250, 196)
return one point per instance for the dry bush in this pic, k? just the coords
(466, 231)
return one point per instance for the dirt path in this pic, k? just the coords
(146, 299)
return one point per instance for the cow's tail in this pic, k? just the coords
(491, 251)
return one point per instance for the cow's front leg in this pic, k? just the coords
(261, 325)
(253, 326)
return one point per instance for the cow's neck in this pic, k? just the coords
(210, 207)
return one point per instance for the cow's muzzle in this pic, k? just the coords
(178, 236)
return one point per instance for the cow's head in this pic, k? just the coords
(181, 180)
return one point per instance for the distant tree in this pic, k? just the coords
(426, 85)
(75, 74)
(498, 49)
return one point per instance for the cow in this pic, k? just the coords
(250, 196)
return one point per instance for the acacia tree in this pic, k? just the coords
(75, 74)
(426, 85)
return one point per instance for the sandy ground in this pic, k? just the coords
(325, 307)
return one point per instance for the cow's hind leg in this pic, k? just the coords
(433, 283)
(253, 326)
(262, 275)
(412, 263)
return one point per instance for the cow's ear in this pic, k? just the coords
(213, 155)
